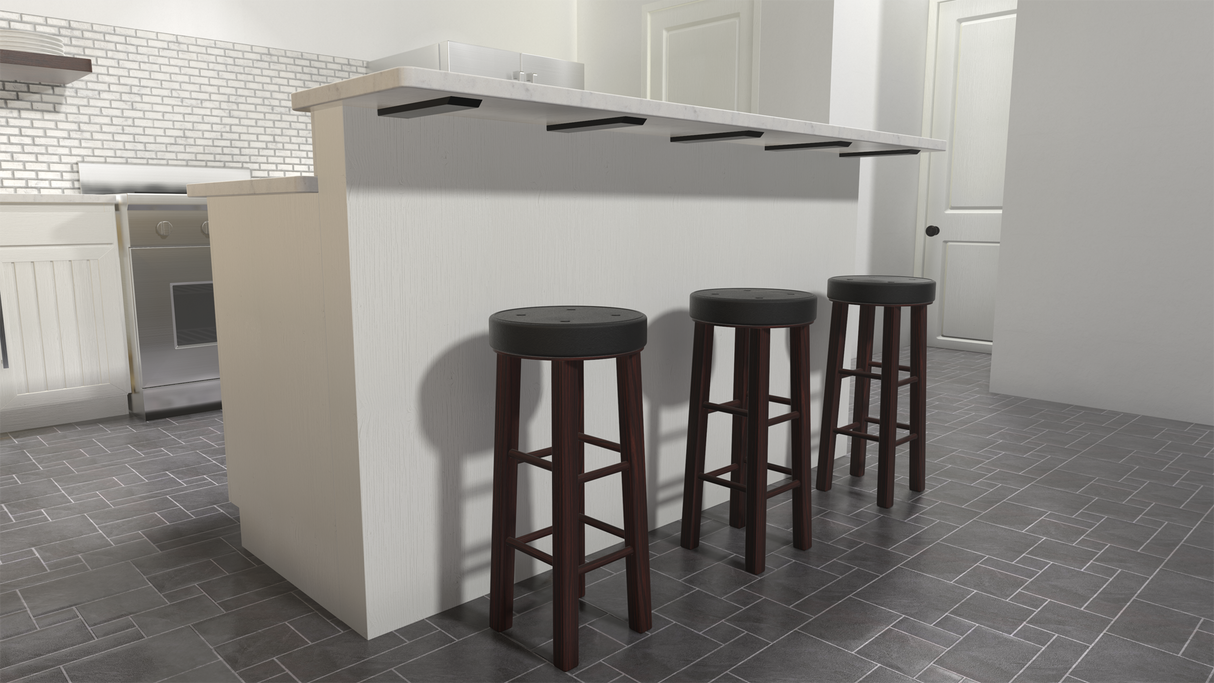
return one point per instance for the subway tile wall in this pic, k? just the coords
(158, 98)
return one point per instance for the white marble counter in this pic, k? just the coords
(259, 186)
(58, 199)
(546, 104)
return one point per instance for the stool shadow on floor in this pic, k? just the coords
(457, 402)
(666, 366)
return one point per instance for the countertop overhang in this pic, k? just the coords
(534, 103)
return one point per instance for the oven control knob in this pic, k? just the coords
(206, 228)
(163, 228)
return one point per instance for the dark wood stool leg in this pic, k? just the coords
(737, 499)
(756, 450)
(864, 362)
(918, 399)
(579, 464)
(505, 492)
(697, 435)
(801, 459)
(889, 406)
(830, 395)
(565, 522)
(636, 517)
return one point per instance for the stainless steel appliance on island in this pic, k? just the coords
(167, 289)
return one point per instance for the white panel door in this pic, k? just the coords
(702, 52)
(967, 98)
(61, 293)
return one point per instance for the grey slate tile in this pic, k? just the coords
(768, 620)
(1070, 622)
(120, 605)
(1066, 585)
(85, 587)
(1180, 592)
(792, 656)
(980, 537)
(1117, 660)
(993, 613)
(258, 647)
(154, 658)
(901, 651)
(35, 644)
(985, 655)
(850, 623)
(1156, 626)
(483, 656)
(913, 594)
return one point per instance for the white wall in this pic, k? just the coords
(877, 70)
(1106, 292)
(357, 29)
(794, 59)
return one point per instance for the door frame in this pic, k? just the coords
(921, 216)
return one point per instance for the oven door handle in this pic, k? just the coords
(3, 337)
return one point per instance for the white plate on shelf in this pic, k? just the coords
(31, 41)
(34, 50)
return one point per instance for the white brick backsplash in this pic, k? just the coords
(161, 99)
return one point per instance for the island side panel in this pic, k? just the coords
(451, 219)
(293, 478)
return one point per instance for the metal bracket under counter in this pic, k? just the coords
(410, 92)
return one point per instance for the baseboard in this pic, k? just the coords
(32, 417)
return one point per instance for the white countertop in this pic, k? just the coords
(546, 104)
(58, 199)
(301, 184)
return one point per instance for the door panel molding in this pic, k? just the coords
(715, 38)
(966, 97)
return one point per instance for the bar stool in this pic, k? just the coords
(752, 313)
(891, 293)
(566, 336)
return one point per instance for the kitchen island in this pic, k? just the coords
(352, 307)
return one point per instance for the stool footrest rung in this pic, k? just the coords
(850, 431)
(877, 421)
(535, 458)
(780, 468)
(877, 364)
(603, 526)
(605, 560)
(780, 399)
(731, 407)
(534, 535)
(905, 439)
(909, 380)
(602, 472)
(783, 418)
(735, 485)
(540, 555)
(783, 489)
(724, 470)
(852, 372)
(601, 443)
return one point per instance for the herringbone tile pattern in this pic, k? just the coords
(1054, 543)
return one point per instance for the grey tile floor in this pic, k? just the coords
(1054, 543)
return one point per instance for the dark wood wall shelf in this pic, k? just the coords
(35, 67)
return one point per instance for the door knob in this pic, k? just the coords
(163, 228)
(206, 228)
(932, 231)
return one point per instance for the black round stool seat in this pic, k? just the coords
(754, 307)
(881, 290)
(567, 331)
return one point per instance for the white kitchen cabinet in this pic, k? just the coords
(64, 328)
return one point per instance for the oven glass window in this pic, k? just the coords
(193, 313)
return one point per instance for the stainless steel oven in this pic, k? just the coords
(167, 288)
